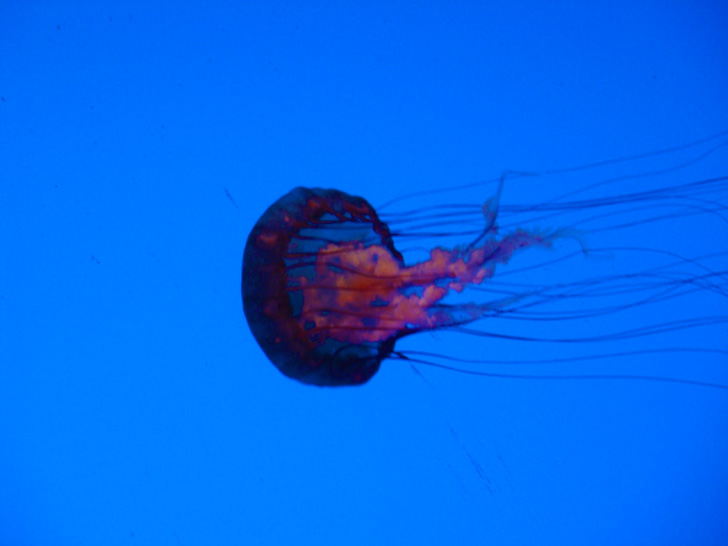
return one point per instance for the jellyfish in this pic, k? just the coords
(328, 291)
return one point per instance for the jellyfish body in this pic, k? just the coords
(327, 294)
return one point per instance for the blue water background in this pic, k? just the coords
(140, 142)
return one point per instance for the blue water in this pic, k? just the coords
(140, 143)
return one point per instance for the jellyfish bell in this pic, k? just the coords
(330, 284)
(283, 255)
